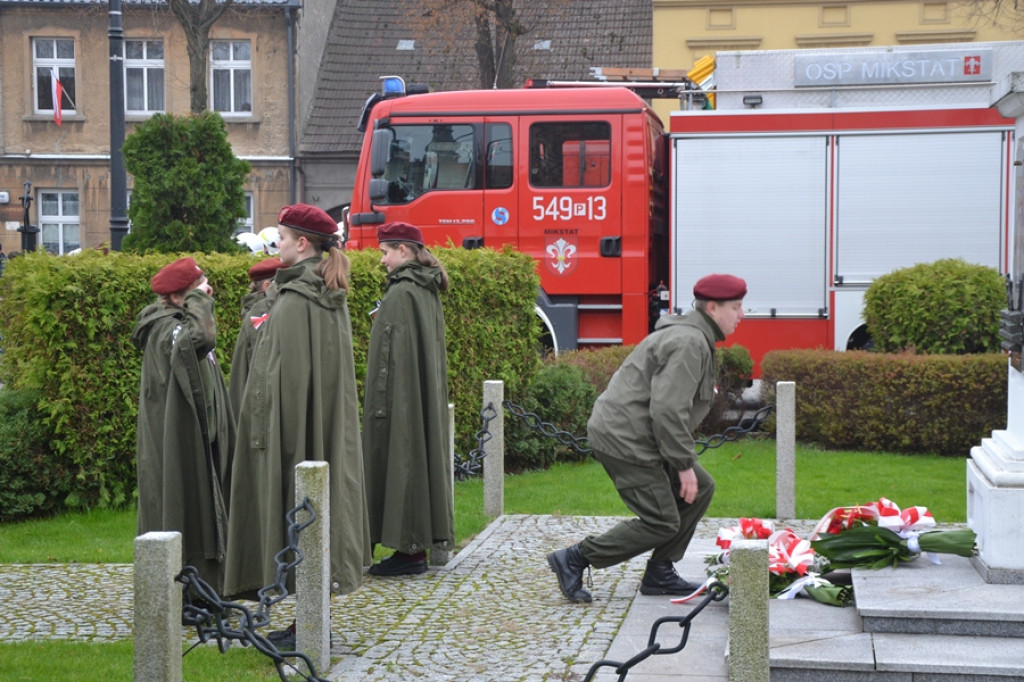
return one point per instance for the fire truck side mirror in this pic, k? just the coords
(379, 151)
(378, 189)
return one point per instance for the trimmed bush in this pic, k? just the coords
(556, 396)
(69, 339)
(597, 364)
(933, 404)
(32, 481)
(734, 369)
(949, 306)
(560, 395)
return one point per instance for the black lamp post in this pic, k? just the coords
(118, 178)
(28, 231)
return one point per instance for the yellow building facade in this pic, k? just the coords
(686, 30)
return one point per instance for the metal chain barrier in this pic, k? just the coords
(734, 432)
(471, 465)
(717, 591)
(548, 430)
(212, 617)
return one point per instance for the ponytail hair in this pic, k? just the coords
(335, 268)
(424, 257)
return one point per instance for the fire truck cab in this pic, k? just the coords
(575, 178)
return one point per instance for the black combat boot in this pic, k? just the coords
(569, 564)
(661, 578)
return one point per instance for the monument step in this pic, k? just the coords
(811, 642)
(916, 621)
(920, 597)
(879, 657)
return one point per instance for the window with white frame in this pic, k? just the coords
(246, 224)
(53, 56)
(58, 221)
(231, 76)
(143, 76)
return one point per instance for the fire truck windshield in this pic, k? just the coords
(424, 158)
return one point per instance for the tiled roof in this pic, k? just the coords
(365, 35)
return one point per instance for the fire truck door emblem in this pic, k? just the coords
(561, 256)
(499, 216)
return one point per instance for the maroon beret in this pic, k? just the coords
(265, 269)
(720, 288)
(178, 276)
(308, 218)
(399, 232)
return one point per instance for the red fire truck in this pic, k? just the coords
(576, 178)
(622, 216)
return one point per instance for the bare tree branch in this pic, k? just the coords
(1004, 14)
(196, 19)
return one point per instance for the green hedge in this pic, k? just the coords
(66, 323)
(935, 404)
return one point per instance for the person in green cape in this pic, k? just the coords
(299, 404)
(408, 462)
(185, 435)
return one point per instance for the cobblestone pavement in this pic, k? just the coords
(493, 612)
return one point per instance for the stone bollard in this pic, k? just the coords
(748, 611)
(439, 556)
(313, 573)
(494, 451)
(157, 610)
(785, 450)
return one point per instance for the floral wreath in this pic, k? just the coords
(873, 535)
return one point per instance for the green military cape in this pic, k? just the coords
(299, 404)
(254, 312)
(182, 402)
(408, 461)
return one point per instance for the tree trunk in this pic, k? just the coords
(196, 20)
(507, 28)
(484, 47)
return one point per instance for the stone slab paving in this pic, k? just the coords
(494, 612)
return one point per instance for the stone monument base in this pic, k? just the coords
(995, 508)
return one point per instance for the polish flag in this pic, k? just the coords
(57, 92)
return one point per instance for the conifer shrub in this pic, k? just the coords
(189, 188)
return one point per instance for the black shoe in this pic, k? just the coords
(568, 565)
(286, 643)
(661, 578)
(400, 563)
(277, 637)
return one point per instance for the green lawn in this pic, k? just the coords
(745, 486)
(69, 661)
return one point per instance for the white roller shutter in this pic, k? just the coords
(915, 198)
(754, 207)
